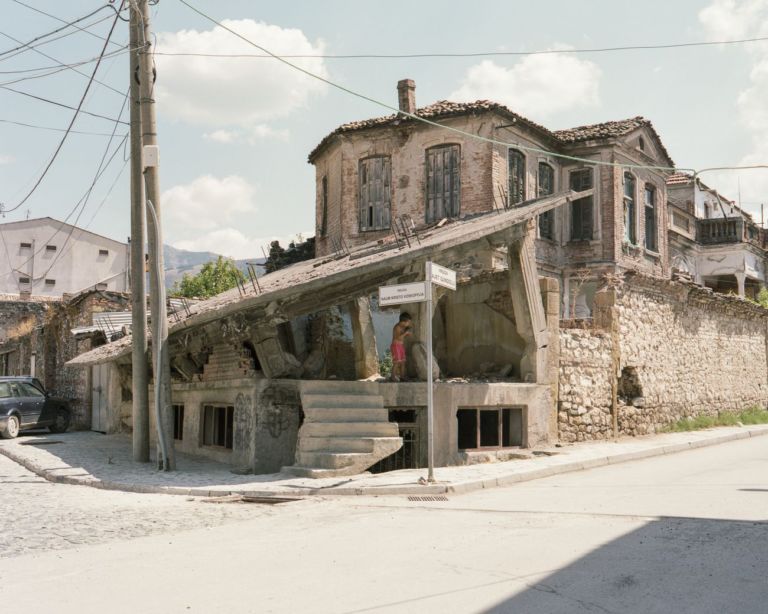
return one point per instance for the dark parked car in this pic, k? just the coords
(24, 404)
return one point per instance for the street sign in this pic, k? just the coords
(442, 276)
(403, 293)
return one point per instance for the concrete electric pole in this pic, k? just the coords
(138, 275)
(166, 459)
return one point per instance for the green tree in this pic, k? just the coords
(214, 278)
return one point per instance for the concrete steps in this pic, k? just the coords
(346, 430)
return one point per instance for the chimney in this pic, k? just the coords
(406, 95)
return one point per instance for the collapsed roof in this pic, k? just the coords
(312, 285)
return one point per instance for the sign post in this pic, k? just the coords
(420, 292)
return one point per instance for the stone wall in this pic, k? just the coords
(681, 352)
(584, 408)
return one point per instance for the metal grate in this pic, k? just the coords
(428, 498)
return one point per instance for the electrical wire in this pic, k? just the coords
(19, 52)
(61, 68)
(68, 67)
(60, 104)
(425, 120)
(51, 33)
(478, 54)
(457, 130)
(59, 19)
(111, 54)
(71, 123)
(51, 128)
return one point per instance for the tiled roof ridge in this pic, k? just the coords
(447, 108)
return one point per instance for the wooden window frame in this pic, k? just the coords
(582, 209)
(374, 194)
(651, 210)
(516, 166)
(324, 206)
(546, 219)
(447, 204)
(630, 208)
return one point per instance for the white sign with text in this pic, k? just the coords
(403, 293)
(442, 276)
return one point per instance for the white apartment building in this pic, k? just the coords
(46, 257)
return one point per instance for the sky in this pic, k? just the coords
(234, 133)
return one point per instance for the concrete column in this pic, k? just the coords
(740, 281)
(363, 338)
(530, 318)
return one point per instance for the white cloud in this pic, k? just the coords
(207, 203)
(221, 136)
(212, 214)
(221, 92)
(251, 135)
(4, 159)
(728, 19)
(538, 85)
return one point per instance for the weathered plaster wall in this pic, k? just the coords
(690, 351)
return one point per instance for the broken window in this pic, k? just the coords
(630, 233)
(651, 241)
(218, 426)
(443, 182)
(178, 422)
(581, 208)
(375, 179)
(546, 187)
(516, 161)
(324, 206)
(488, 428)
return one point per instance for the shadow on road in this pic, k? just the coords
(669, 565)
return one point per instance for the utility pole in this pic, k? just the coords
(166, 458)
(138, 275)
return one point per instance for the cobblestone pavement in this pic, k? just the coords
(40, 516)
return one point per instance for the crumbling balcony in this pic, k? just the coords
(727, 230)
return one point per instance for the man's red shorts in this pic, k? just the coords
(398, 351)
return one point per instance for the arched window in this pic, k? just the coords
(516, 177)
(630, 233)
(443, 182)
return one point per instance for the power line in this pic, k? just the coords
(51, 33)
(51, 128)
(59, 104)
(68, 67)
(451, 128)
(22, 50)
(423, 119)
(478, 54)
(72, 121)
(121, 51)
(54, 70)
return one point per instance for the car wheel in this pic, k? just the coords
(62, 422)
(11, 429)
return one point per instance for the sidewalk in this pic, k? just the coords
(104, 461)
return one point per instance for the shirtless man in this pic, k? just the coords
(399, 333)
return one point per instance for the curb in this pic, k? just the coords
(72, 475)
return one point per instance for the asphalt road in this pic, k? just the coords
(679, 533)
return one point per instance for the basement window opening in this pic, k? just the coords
(50, 282)
(103, 252)
(23, 280)
(489, 428)
(218, 426)
(25, 246)
(50, 248)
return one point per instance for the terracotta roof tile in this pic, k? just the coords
(445, 108)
